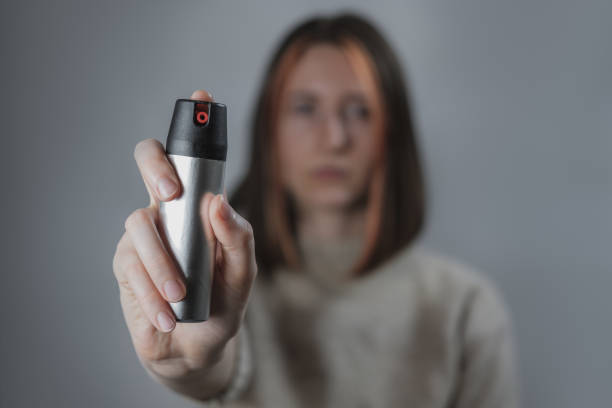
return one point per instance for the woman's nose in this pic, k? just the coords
(335, 134)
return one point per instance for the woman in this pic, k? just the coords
(347, 310)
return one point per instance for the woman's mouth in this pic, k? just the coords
(329, 173)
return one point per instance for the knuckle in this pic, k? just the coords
(122, 244)
(122, 278)
(246, 238)
(118, 249)
(151, 300)
(248, 227)
(131, 268)
(124, 284)
(116, 264)
(245, 229)
(138, 216)
(132, 265)
(118, 258)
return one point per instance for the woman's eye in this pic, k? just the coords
(356, 111)
(304, 108)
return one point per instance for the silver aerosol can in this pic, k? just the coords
(197, 148)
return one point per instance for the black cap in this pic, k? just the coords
(198, 129)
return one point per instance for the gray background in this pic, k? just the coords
(513, 103)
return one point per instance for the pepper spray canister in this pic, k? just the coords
(197, 148)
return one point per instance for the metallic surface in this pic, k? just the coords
(189, 240)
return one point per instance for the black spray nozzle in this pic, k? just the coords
(198, 129)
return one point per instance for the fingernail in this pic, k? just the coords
(174, 290)
(165, 322)
(166, 187)
(225, 211)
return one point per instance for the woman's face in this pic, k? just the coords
(326, 131)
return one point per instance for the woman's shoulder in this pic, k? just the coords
(477, 317)
(441, 271)
(444, 281)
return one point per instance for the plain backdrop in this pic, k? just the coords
(513, 103)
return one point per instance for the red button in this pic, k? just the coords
(202, 117)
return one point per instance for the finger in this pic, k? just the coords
(158, 173)
(202, 95)
(160, 266)
(138, 294)
(155, 308)
(235, 237)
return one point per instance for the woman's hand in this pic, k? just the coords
(148, 279)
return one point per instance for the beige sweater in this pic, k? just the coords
(422, 330)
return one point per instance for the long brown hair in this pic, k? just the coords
(396, 201)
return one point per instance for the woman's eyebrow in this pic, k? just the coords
(355, 97)
(302, 95)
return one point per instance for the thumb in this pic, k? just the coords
(235, 237)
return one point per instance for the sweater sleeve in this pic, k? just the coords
(487, 375)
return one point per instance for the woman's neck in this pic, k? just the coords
(330, 225)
